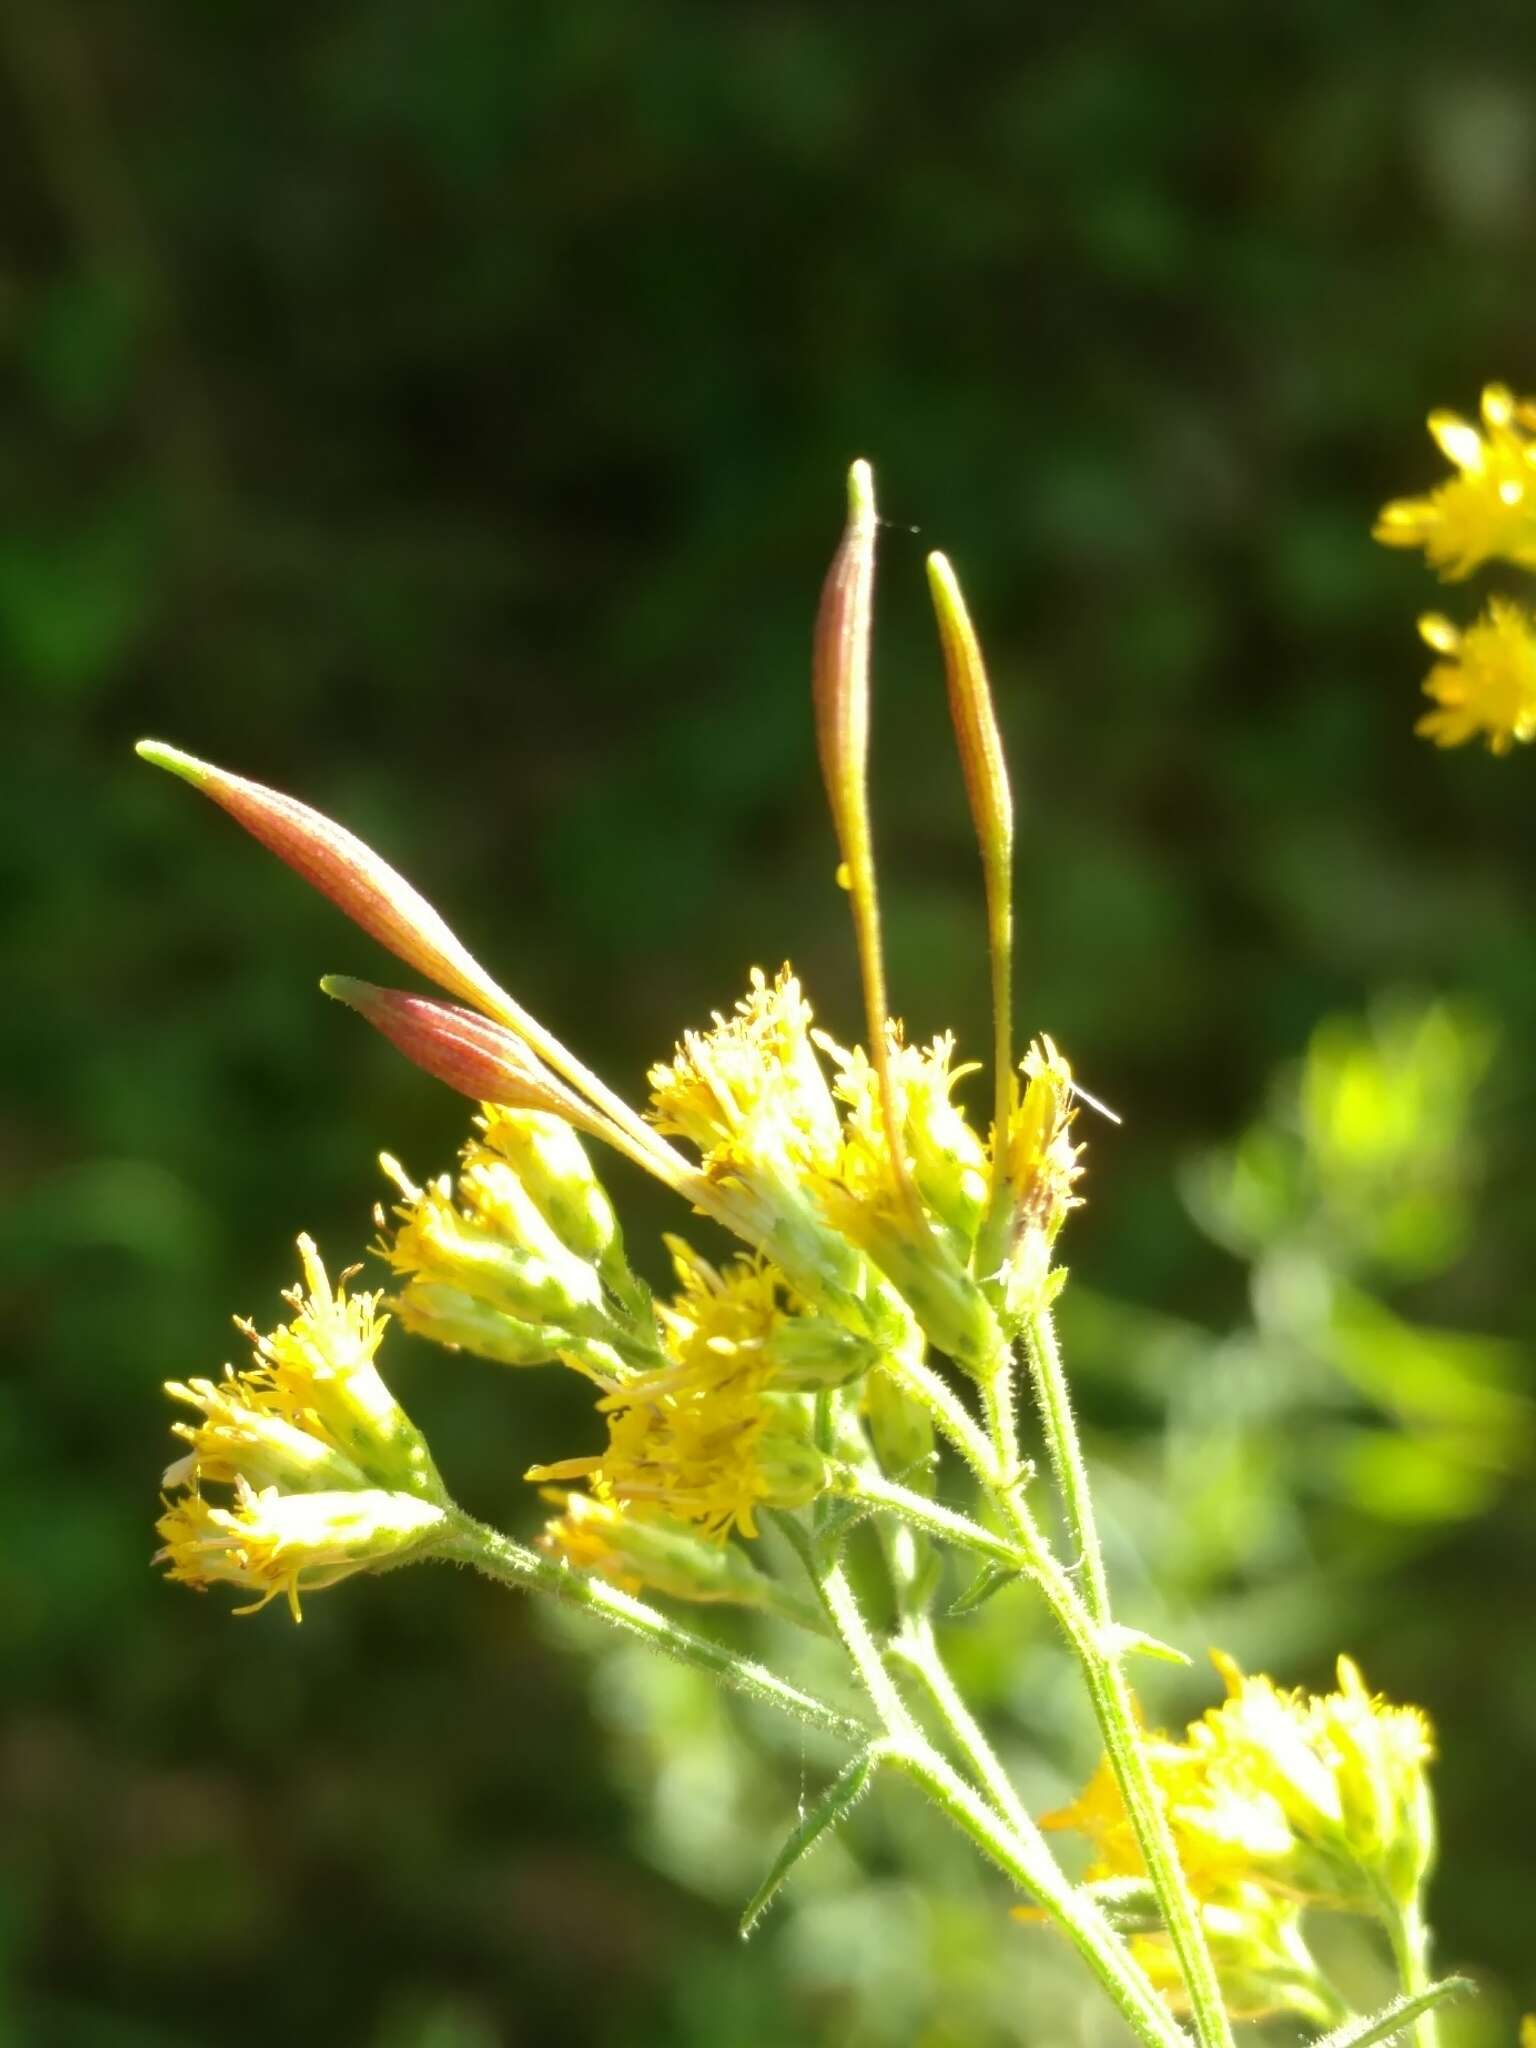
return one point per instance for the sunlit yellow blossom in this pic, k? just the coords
(1488, 509)
(922, 1249)
(751, 1096)
(641, 1547)
(311, 1412)
(268, 1542)
(708, 1439)
(753, 1085)
(1528, 2031)
(1040, 1167)
(945, 1156)
(1485, 684)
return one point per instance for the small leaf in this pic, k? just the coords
(989, 1580)
(1135, 1642)
(835, 1804)
(1129, 1903)
(1393, 2019)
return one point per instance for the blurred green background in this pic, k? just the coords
(440, 410)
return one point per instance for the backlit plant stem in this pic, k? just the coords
(498, 1557)
(1020, 1851)
(1409, 1936)
(1088, 1625)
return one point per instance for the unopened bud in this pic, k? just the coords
(791, 1471)
(902, 1430)
(810, 1352)
(447, 1315)
(441, 1245)
(552, 1164)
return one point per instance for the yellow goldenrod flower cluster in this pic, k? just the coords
(1484, 685)
(1278, 1801)
(328, 1475)
(876, 1216)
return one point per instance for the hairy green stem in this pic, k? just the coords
(1408, 1933)
(513, 1564)
(918, 1652)
(863, 1653)
(1066, 1454)
(1088, 1623)
(1020, 1851)
(1028, 1861)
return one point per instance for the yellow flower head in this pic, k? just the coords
(640, 1547)
(750, 1095)
(311, 1412)
(752, 1089)
(268, 1542)
(708, 1439)
(1488, 509)
(920, 1242)
(1485, 682)
(1036, 1171)
(328, 1474)
(944, 1155)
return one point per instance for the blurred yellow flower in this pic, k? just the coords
(1485, 682)
(1319, 1797)
(1488, 509)
(1255, 1934)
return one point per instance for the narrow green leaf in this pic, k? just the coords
(989, 1580)
(835, 1804)
(1135, 1642)
(1393, 2019)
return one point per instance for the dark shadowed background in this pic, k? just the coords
(439, 409)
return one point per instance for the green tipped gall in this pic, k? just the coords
(338, 864)
(840, 672)
(462, 1049)
(991, 800)
(840, 654)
